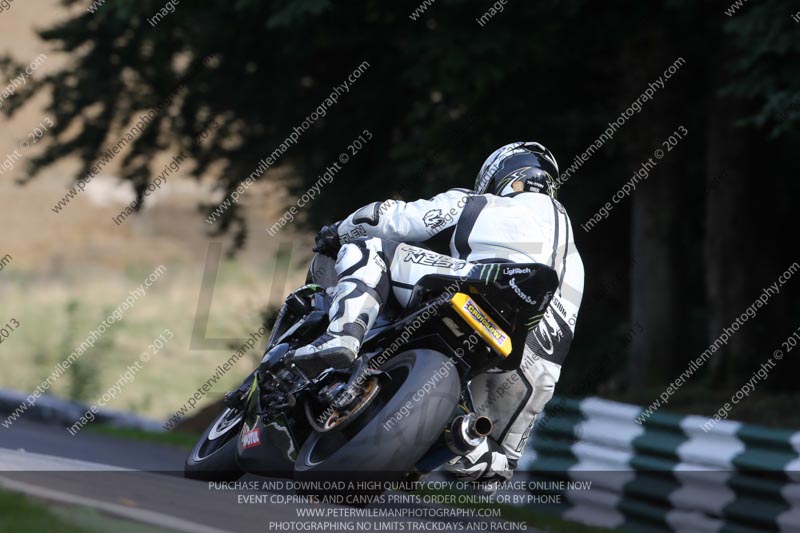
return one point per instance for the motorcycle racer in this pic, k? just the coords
(512, 215)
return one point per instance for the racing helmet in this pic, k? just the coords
(519, 167)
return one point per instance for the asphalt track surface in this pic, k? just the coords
(143, 482)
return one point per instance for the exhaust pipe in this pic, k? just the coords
(467, 432)
(482, 425)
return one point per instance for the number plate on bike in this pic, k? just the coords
(481, 323)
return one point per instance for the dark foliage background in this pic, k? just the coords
(671, 266)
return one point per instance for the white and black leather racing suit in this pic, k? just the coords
(522, 227)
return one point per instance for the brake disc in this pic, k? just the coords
(338, 416)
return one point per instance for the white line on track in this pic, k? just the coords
(11, 460)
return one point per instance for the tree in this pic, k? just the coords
(438, 93)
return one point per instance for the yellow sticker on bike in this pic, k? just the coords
(481, 323)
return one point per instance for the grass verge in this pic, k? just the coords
(21, 514)
(167, 438)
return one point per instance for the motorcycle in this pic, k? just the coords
(403, 408)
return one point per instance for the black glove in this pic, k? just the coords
(327, 240)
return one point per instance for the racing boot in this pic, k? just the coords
(363, 287)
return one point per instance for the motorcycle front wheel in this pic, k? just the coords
(213, 457)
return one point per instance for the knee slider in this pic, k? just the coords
(351, 255)
(545, 382)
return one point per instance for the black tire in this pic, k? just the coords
(213, 457)
(366, 449)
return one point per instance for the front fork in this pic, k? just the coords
(237, 398)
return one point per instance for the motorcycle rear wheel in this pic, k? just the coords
(395, 431)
